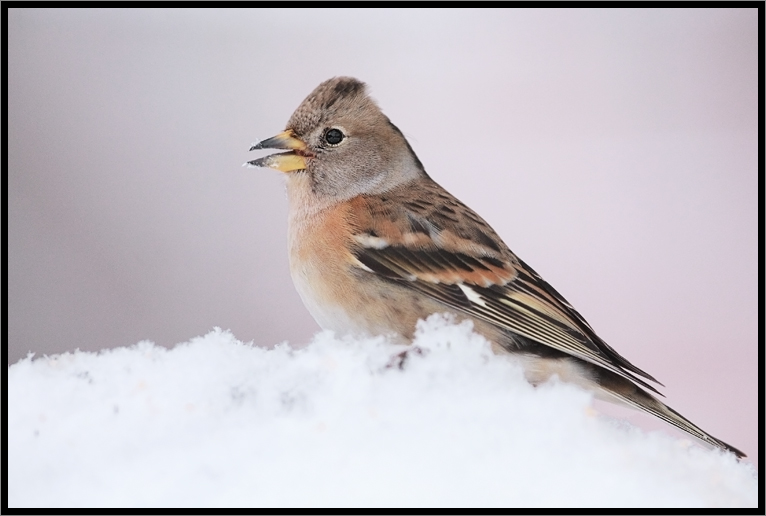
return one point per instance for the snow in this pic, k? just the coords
(215, 422)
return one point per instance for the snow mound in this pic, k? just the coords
(219, 423)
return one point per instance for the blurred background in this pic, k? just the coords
(615, 151)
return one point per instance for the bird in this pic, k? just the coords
(375, 244)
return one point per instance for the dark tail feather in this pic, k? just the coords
(642, 400)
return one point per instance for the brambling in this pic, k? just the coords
(375, 245)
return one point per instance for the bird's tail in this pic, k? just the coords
(632, 395)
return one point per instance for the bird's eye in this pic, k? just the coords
(333, 136)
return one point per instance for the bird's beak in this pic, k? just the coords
(284, 161)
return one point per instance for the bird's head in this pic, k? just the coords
(341, 139)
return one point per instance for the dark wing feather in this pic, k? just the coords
(443, 249)
(508, 306)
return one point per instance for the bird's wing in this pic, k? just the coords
(446, 251)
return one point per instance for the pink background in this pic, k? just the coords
(614, 150)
